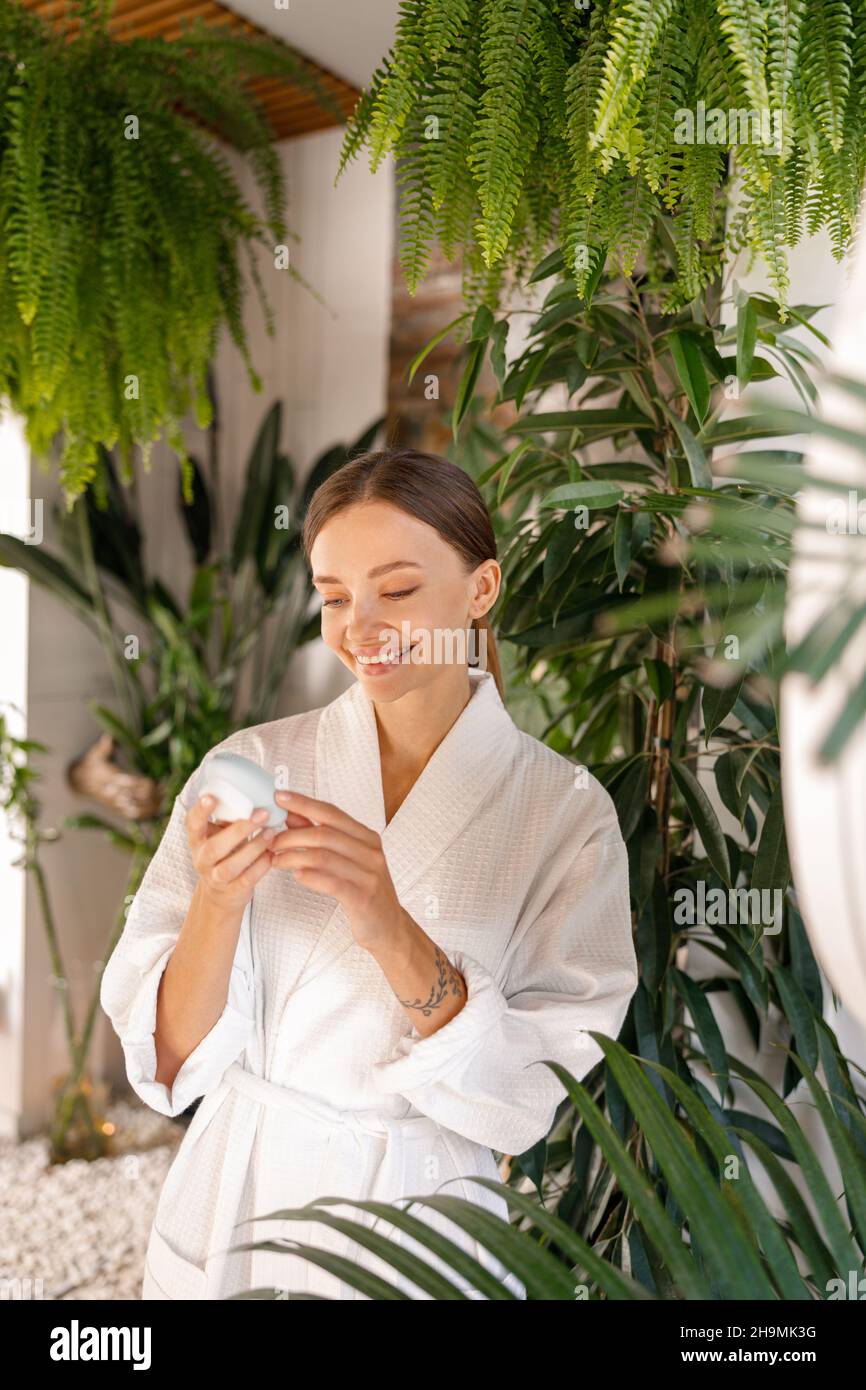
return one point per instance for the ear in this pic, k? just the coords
(487, 583)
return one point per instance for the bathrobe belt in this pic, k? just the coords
(351, 1129)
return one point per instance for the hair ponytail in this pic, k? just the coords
(490, 651)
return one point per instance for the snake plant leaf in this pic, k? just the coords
(197, 514)
(49, 573)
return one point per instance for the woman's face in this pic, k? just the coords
(390, 584)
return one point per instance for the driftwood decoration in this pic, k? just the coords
(97, 775)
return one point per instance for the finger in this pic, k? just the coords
(324, 837)
(323, 860)
(197, 819)
(326, 814)
(233, 865)
(228, 839)
(257, 870)
(213, 827)
(318, 882)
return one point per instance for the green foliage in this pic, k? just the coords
(674, 1213)
(640, 626)
(18, 780)
(527, 123)
(121, 248)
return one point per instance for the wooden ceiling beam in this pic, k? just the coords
(290, 107)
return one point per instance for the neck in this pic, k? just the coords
(410, 729)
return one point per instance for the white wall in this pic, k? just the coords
(328, 361)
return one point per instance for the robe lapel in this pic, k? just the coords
(473, 756)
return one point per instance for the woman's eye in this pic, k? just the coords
(401, 593)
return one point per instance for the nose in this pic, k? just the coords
(372, 637)
(365, 623)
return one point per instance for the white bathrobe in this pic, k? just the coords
(315, 1083)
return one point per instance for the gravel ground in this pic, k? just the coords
(82, 1228)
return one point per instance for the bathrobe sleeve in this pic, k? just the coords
(130, 981)
(574, 968)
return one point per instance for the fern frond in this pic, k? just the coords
(359, 124)
(582, 88)
(409, 71)
(453, 105)
(54, 319)
(630, 209)
(825, 62)
(744, 23)
(584, 243)
(28, 229)
(508, 126)
(767, 217)
(417, 215)
(547, 44)
(443, 24)
(796, 190)
(784, 28)
(482, 283)
(636, 28)
(698, 263)
(664, 96)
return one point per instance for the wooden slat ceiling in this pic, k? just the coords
(291, 108)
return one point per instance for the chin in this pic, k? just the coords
(387, 688)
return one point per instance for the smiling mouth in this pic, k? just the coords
(383, 661)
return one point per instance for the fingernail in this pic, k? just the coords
(258, 817)
(284, 797)
(268, 835)
(208, 801)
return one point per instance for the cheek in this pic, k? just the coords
(441, 614)
(333, 626)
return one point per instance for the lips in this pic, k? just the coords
(377, 662)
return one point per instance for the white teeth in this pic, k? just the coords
(380, 660)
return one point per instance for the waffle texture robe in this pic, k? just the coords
(314, 1081)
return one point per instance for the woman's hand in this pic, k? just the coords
(329, 852)
(229, 864)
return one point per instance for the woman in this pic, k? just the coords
(365, 998)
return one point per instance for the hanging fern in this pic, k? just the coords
(120, 248)
(566, 125)
(449, 115)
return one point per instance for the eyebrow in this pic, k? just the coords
(371, 574)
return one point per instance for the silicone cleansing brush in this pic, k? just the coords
(241, 787)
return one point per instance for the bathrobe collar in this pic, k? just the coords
(473, 756)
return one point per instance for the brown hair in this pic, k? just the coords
(427, 487)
